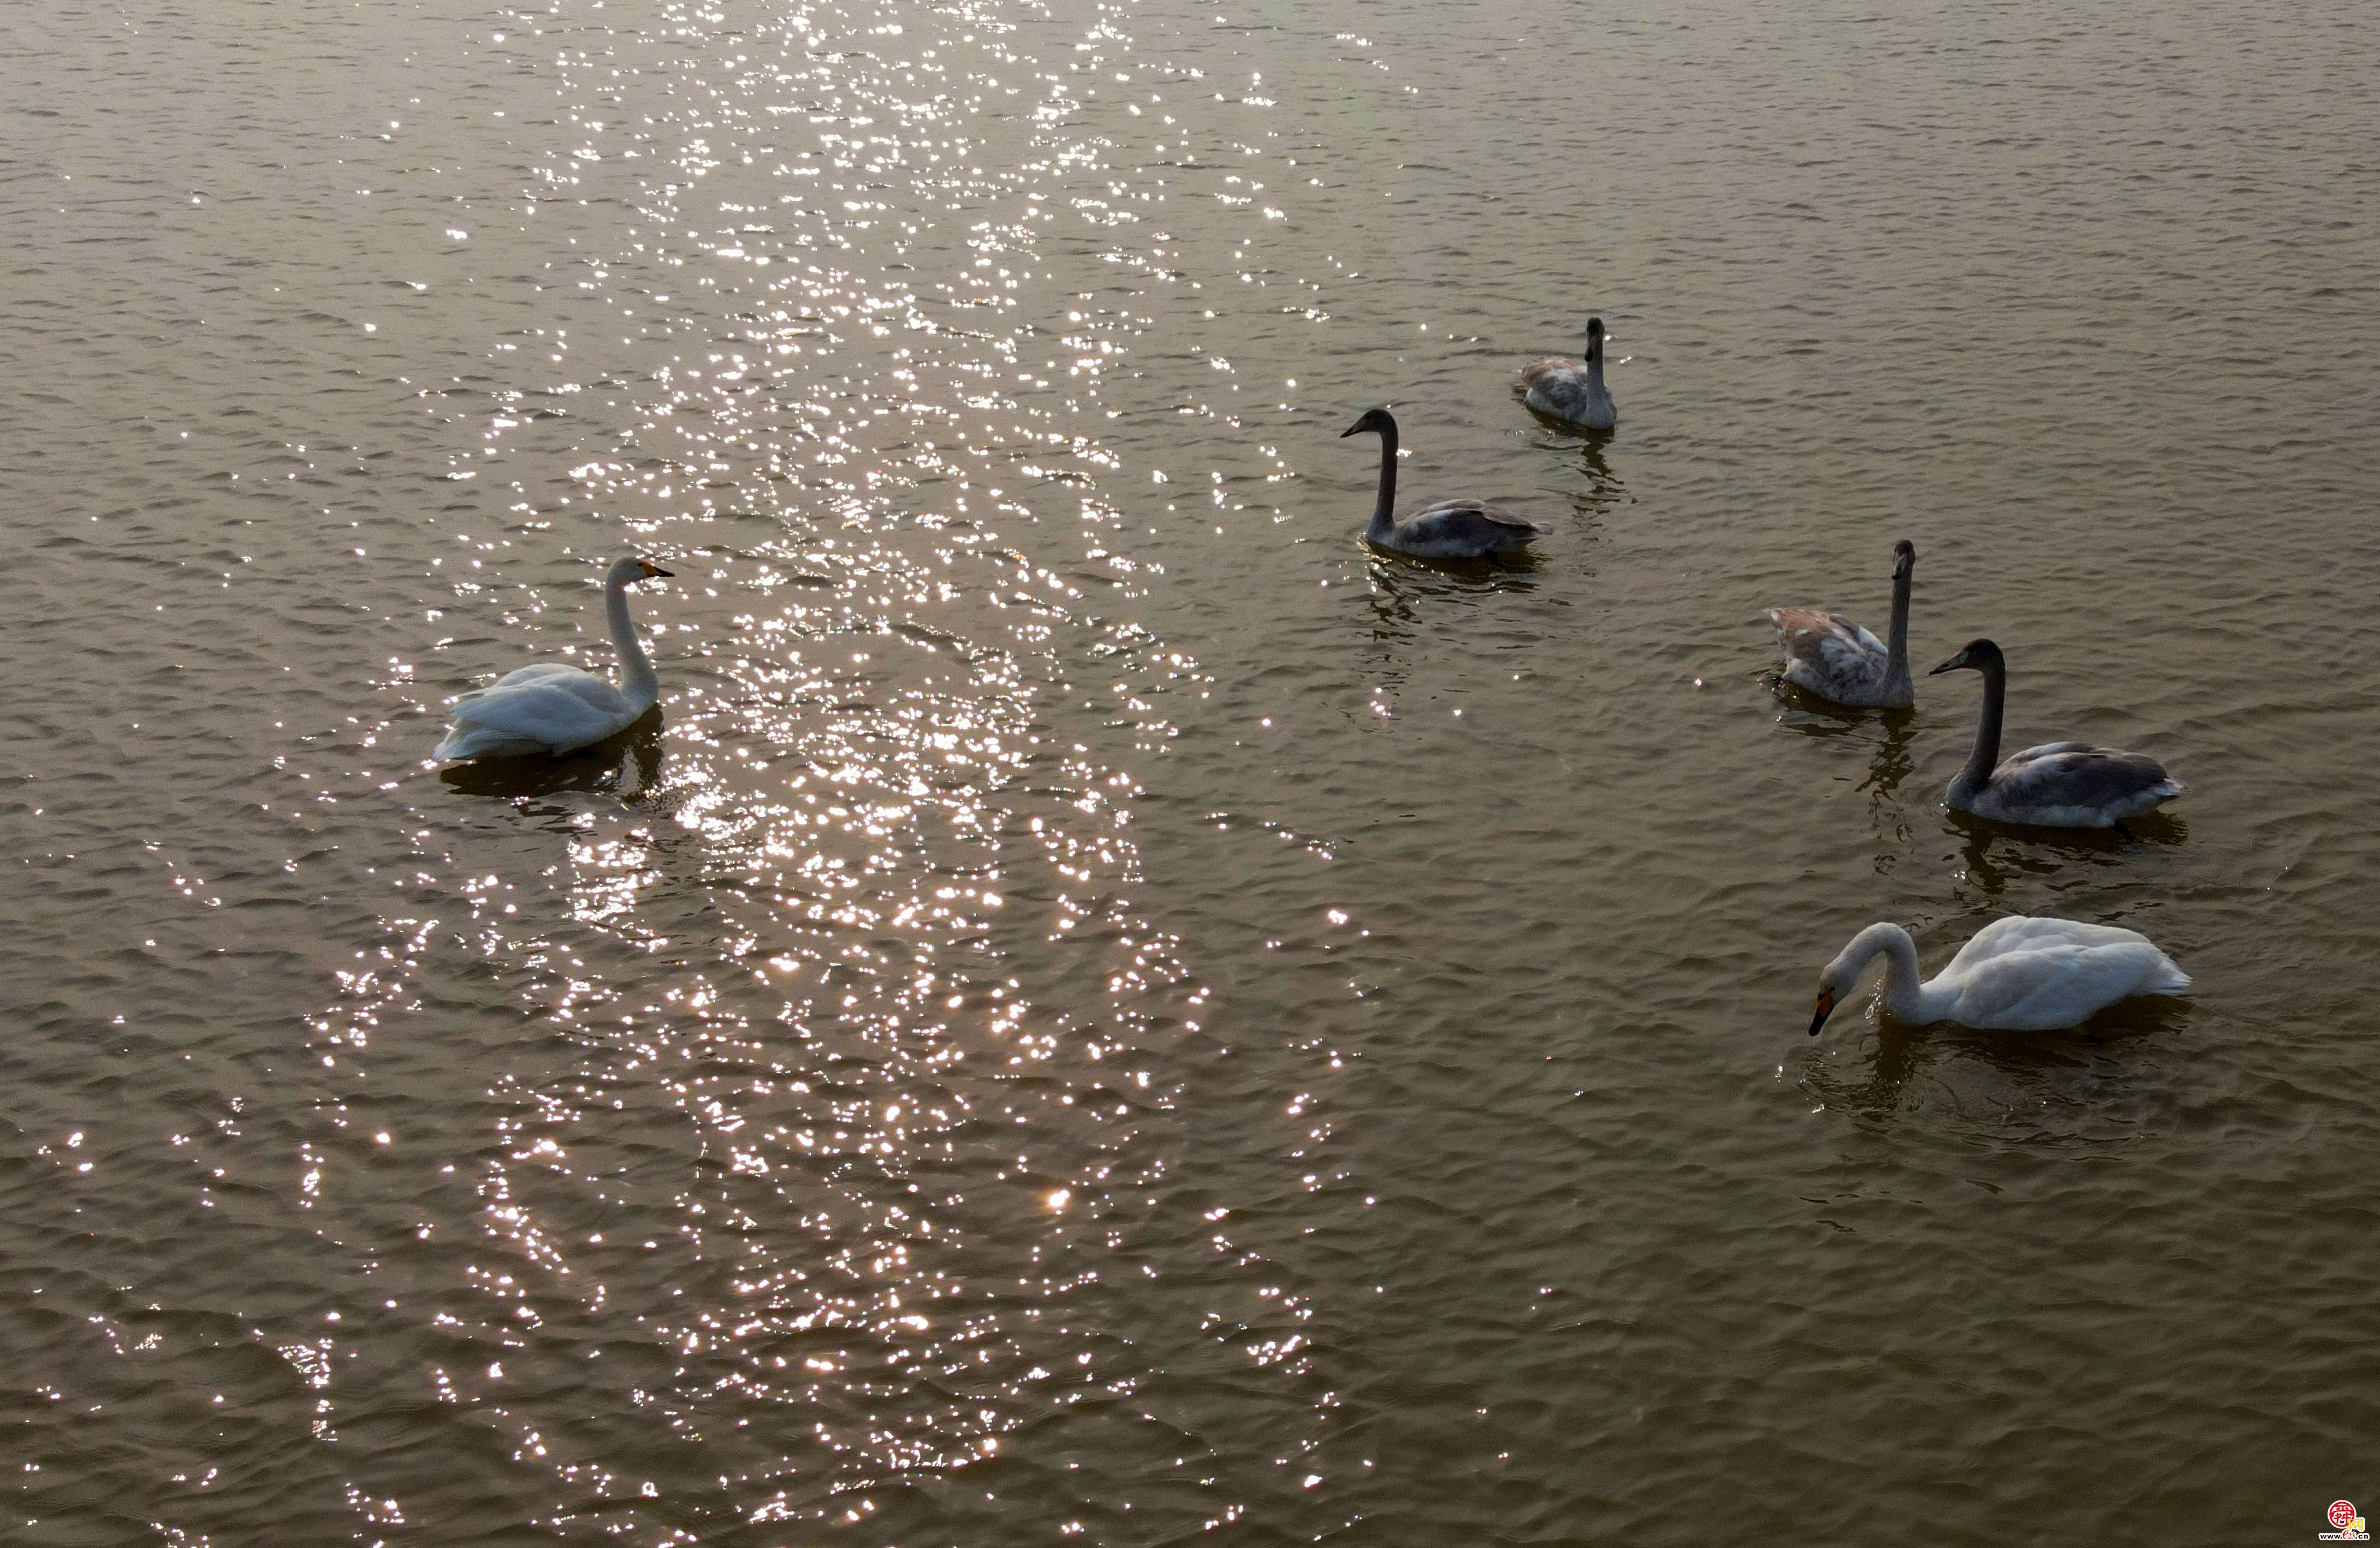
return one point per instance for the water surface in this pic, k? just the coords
(1101, 1010)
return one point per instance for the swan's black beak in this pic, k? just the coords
(1350, 430)
(1826, 1009)
(657, 570)
(1951, 665)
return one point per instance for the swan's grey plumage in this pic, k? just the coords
(553, 707)
(1450, 530)
(1573, 390)
(1829, 655)
(2057, 784)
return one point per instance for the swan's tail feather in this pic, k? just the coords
(2167, 980)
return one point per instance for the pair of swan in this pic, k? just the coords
(2016, 974)
(1567, 389)
(2058, 784)
(553, 708)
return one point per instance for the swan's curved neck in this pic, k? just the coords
(1384, 519)
(1904, 987)
(637, 679)
(1595, 365)
(1896, 639)
(1986, 756)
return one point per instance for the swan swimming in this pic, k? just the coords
(553, 708)
(1450, 530)
(2058, 784)
(1573, 390)
(1829, 655)
(2016, 974)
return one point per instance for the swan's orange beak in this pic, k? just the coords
(653, 568)
(1826, 1009)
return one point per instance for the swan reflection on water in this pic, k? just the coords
(1604, 487)
(2085, 1086)
(626, 765)
(1993, 854)
(1404, 591)
(1892, 731)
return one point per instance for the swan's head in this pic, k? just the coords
(630, 568)
(1905, 558)
(1979, 655)
(1594, 338)
(1379, 421)
(1833, 985)
(1842, 975)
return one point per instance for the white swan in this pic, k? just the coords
(2016, 974)
(1573, 390)
(555, 708)
(2058, 784)
(1829, 655)
(1450, 530)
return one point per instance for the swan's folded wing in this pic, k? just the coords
(520, 677)
(1552, 373)
(2047, 750)
(2061, 983)
(2022, 933)
(1450, 518)
(1838, 648)
(2079, 775)
(557, 713)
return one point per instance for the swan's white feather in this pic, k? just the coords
(531, 674)
(554, 712)
(552, 706)
(2016, 974)
(2028, 974)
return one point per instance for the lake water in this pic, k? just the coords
(1101, 1010)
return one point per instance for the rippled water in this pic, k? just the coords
(1100, 1010)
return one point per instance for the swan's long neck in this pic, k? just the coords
(1986, 756)
(1896, 669)
(1595, 367)
(1904, 986)
(1384, 518)
(637, 679)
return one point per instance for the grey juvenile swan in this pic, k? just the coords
(2062, 784)
(1829, 655)
(1573, 390)
(1450, 530)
